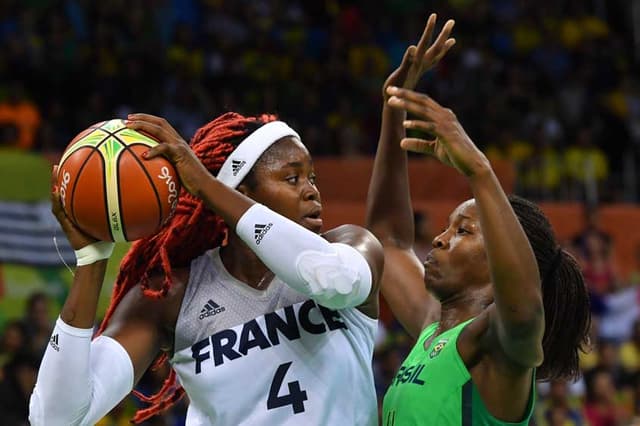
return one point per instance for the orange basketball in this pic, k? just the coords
(108, 190)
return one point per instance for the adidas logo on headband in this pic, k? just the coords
(236, 165)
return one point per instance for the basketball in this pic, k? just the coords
(108, 190)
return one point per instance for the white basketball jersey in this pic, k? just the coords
(272, 357)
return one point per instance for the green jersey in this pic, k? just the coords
(434, 387)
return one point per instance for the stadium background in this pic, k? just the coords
(549, 89)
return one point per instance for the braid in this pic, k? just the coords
(191, 230)
(564, 295)
(570, 321)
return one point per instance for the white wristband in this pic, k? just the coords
(94, 252)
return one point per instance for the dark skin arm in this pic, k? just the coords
(519, 318)
(389, 210)
(228, 203)
(79, 309)
(139, 324)
(145, 326)
(504, 344)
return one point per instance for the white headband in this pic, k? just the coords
(242, 159)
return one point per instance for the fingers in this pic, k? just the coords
(159, 121)
(447, 45)
(418, 108)
(433, 56)
(426, 35)
(411, 95)
(445, 33)
(418, 104)
(158, 150)
(76, 238)
(56, 205)
(420, 146)
(56, 201)
(423, 126)
(153, 130)
(54, 184)
(408, 58)
(54, 176)
(155, 120)
(442, 44)
(169, 140)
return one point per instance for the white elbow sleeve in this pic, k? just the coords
(333, 274)
(79, 381)
(336, 280)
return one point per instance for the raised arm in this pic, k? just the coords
(518, 320)
(389, 210)
(81, 380)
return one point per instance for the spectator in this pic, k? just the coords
(16, 387)
(602, 405)
(542, 171)
(37, 323)
(587, 167)
(599, 268)
(592, 228)
(12, 341)
(594, 248)
(621, 311)
(549, 69)
(630, 352)
(557, 408)
(608, 360)
(20, 117)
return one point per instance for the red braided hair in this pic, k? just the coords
(192, 230)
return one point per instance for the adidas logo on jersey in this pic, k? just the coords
(54, 343)
(236, 165)
(260, 231)
(210, 309)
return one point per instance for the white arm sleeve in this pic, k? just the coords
(333, 274)
(79, 381)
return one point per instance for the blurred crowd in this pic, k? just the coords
(551, 85)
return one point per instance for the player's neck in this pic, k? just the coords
(461, 307)
(241, 262)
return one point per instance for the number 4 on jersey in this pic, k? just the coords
(295, 397)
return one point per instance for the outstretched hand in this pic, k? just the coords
(173, 147)
(419, 59)
(452, 146)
